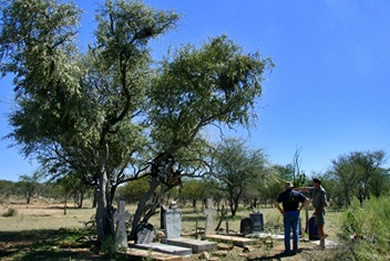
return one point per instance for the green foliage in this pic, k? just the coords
(369, 224)
(238, 167)
(11, 212)
(133, 191)
(359, 174)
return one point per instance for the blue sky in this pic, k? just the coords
(328, 93)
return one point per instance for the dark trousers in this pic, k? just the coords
(291, 221)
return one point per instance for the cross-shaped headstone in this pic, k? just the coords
(120, 218)
(209, 212)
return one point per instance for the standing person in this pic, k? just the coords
(319, 200)
(291, 199)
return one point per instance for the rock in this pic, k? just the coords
(160, 234)
(204, 255)
(221, 253)
(243, 255)
(222, 246)
(213, 259)
(247, 249)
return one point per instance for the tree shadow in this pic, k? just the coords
(33, 242)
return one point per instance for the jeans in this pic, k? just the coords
(291, 221)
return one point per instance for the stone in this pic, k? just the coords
(222, 246)
(210, 212)
(247, 249)
(172, 222)
(246, 226)
(120, 218)
(213, 259)
(197, 246)
(258, 221)
(204, 255)
(145, 234)
(237, 241)
(139, 254)
(220, 253)
(243, 255)
(163, 248)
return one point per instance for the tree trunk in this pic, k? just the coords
(28, 198)
(194, 204)
(80, 205)
(94, 198)
(104, 210)
(141, 206)
(66, 201)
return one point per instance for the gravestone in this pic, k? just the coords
(120, 218)
(258, 221)
(145, 233)
(209, 212)
(246, 226)
(172, 222)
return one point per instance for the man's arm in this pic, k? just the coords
(303, 189)
(304, 204)
(277, 205)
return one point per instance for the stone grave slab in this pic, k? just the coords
(237, 241)
(328, 243)
(164, 248)
(197, 246)
(263, 235)
(139, 254)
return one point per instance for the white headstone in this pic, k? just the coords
(172, 222)
(210, 212)
(120, 218)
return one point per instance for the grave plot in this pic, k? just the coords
(139, 254)
(172, 223)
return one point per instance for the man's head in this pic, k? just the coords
(288, 185)
(316, 183)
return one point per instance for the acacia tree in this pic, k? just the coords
(108, 114)
(240, 167)
(75, 111)
(29, 184)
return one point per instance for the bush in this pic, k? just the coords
(11, 212)
(367, 229)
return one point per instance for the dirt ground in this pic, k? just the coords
(41, 231)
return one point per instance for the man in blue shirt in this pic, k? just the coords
(290, 200)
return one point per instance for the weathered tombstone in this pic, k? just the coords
(172, 222)
(246, 226)
(120, 218)
(258, 221)
(145, 234)
(209, 212)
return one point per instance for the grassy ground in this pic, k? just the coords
(40, 231)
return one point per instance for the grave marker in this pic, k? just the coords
(209, 212)
(120, 218)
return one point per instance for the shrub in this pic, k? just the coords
(11, 212)
(368, 227)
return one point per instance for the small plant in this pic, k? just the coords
(11, 212)
(108, 246)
